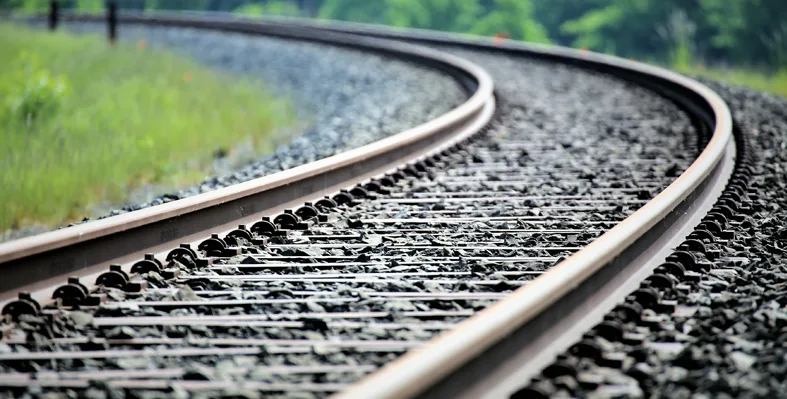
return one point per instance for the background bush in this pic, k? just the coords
(743, 33)
(31, 91)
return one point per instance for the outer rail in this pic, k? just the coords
(34, 259)
(457, 362)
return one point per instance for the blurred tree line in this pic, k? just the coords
(728, 32)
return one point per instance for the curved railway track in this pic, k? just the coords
(435, 245)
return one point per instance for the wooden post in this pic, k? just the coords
(112, 21)
(54, 11)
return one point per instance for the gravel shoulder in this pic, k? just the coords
(727, 337)
(735, 344)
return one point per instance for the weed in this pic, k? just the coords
(30, 90)
(89, 123)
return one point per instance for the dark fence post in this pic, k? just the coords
(54, 11)
(112, 20)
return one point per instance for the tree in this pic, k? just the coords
(627, 27)
(31, 5)
(741, 32)
(353, 10)
(553, 13)
(176, 5)
(751, 30)
(275, 7)
(92, 6)
(515, 18)
(444, 15)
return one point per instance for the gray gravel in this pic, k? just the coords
(349, 98)
(546, 144)
(728, 338)
(344, 98)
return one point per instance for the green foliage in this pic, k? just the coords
(515, 18)
(175, 4)
(90, 6)
(678, 34)
(626, 27)
(753, 30)
(249, 10)
(680, 56)
(553, 13)
(8, 5)
(30, 91)
(589, 30)
(132, 116)
(354, 10)
(749, 33)
(445, 15)
(512, 17)
(775, 83)
(278, 7)
(32, 5)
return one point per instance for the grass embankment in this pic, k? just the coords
(83, 123)
(775, 83)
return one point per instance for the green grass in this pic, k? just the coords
(110, 119)
(775, 83)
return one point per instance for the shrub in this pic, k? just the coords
(30, 90)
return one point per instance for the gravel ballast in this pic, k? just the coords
(549, 162)
(727, 336)
(348, 97)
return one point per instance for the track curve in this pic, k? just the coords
(418, 372)
(421, 371)
(66, 250)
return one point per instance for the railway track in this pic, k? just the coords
(461, 238)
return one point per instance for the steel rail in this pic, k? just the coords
(96, 244)
(497, 350)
